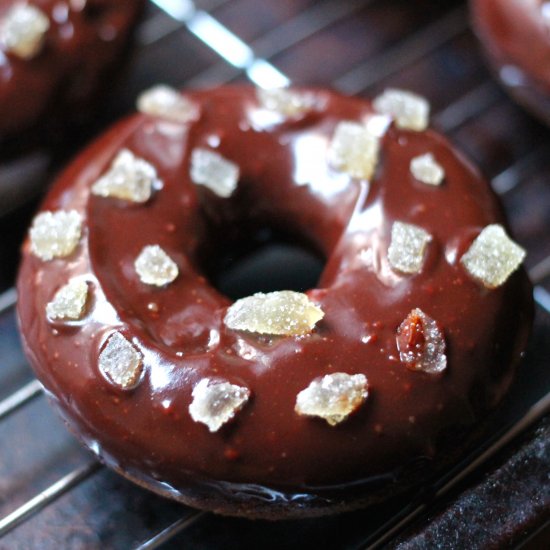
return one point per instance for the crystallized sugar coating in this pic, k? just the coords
(421, 343)
(410, 111)
(129, 178)
(166, 102)
(427, 170)
(354, 150)
(120, 362)
(284, 312)
(155, 267)
(407, 247)
(333, 397)
(287, 102)
(215, 403)
(69, 301)
(22, 30)
(55, 234)
(493, 256)
(214, 171)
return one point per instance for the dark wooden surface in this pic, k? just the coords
(359, 47)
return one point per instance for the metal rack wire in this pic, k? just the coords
(255, 62)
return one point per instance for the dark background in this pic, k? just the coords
(358, 47)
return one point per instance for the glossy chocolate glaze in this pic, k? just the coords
(285, 184)
(83, 44)
(516, 37)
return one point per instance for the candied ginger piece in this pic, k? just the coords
(55, 234)
(215, 403)
(407, 247)
(287, 102)
(155, 267)
(283, 312)
(129, 178)
(421, 343)
(23, 29)
(493, 256)
(69, 301)
(120, 362)
(166, 102)
(427, 170)
(333, 397)
(354, 150)
(410, 111)
(214, 171)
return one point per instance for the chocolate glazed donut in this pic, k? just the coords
(55, 56)
(516, 38)
(281, 404)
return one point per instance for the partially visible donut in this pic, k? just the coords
(516, 38)
(283, 404)
(55, 55)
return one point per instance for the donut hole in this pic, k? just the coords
(262, 260)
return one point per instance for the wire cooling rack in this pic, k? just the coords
(54, 495)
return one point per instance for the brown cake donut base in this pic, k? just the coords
(409, 418)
